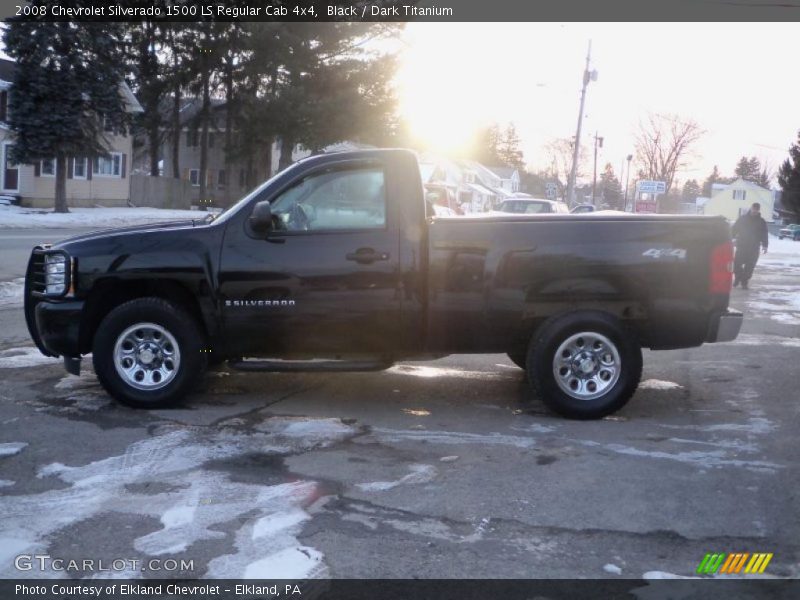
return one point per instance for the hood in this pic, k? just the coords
(117, 231)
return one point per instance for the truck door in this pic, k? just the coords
(325, 281)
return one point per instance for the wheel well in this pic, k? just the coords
(107, 294)
(628, 318)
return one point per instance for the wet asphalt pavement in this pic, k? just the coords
(442, 469)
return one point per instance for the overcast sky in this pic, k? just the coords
(736, 80)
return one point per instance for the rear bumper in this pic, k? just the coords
(725, 326)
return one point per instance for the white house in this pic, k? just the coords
(459, 181)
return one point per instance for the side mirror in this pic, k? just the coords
(261, 217)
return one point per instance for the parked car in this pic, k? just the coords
(334, 265)
(790, 231)
(532, 206)
(583, 208)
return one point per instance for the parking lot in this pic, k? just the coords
(445, 469)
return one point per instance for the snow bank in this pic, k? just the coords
(18, 217)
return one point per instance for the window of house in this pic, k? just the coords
(191, 138)
(79, 168)
(48, 167)
(739, 194)
(194, 177)
(10, 170)
(108, 166)
(222, 178)
(344, 199)
(210, 140)
(3, 105)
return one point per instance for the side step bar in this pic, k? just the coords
(305, 366)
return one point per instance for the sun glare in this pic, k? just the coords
(443, 96)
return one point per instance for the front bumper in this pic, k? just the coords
(58, 327)
(725, 326)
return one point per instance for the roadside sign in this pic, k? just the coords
(551, 190)
(646, 206)
(652, 187)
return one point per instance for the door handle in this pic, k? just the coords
(365, 256)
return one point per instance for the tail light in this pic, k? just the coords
(720, 276)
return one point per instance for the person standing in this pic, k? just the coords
(750, 233)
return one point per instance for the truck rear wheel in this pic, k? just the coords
(584, 365)
(147, 353)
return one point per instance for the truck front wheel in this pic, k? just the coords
(147, 353)
(584, 365)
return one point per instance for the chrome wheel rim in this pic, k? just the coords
(146, 356)
(586, 365)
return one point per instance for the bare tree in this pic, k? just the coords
(663, 145)
(559, 153)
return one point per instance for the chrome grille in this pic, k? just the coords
(37, 273)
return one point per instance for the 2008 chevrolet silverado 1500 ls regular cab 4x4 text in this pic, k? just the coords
(339, 258)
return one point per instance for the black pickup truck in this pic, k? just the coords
(338, 263)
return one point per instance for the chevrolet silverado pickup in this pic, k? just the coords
(339, 263)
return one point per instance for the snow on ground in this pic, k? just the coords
(18, 217)
(784, 246)
(12, 448)
(197, 502)
(11, 292)
(781, 253)
(658, 384)
(418, 474)
(664, 575)
(16, 358)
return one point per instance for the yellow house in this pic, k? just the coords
(736, 198)
(103, 180)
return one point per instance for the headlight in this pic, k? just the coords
(56, 273)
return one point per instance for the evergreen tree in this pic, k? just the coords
(487, 145)
(66, 99)
(750, 169)
(205, 64)
(327, 88)
(691, 190)
(715, 177)
(789, 179)
(149, 83)
(509, 151)
(744, 168)
(611, 189)
(178, 51)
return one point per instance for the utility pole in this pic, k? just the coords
(587, 77)
(594, 176)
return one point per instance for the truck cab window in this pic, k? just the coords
(342, 199)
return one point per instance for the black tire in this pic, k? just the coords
(518, 358)
(191, 363)
(541, 365)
